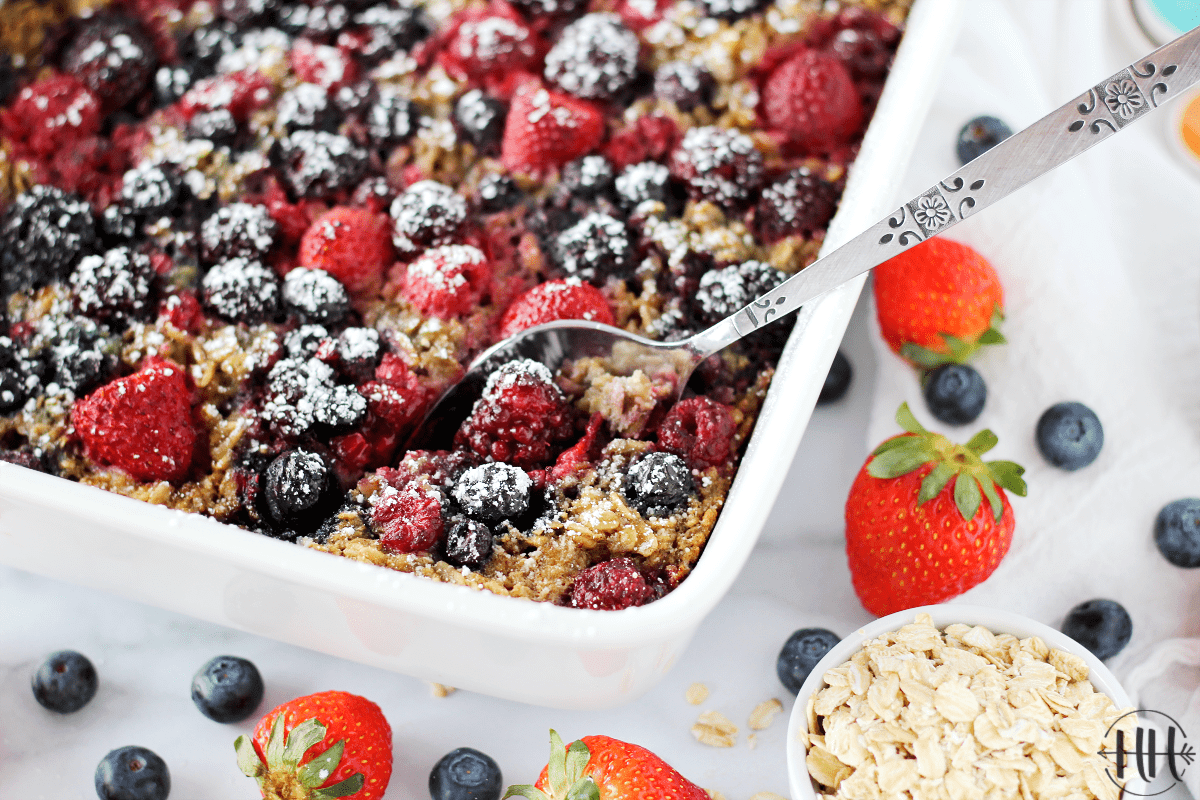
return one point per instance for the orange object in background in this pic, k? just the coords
(1189, 126)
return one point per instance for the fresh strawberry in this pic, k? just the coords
(917, 528)
(812, 99)
(318, 747)
(938, 302)
(353, 245)
(447, 281)
(554, 300)
(141, 424)
(545, 129)
(603, 768)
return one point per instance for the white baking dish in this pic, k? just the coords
(532, 652)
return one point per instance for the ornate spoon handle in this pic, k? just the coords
(1100, 112)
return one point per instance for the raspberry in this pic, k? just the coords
(595, 247)
(409, 519)
(315, 296)
(812, 99)
(241, 290)
(554, 300)
(52, 115)
(141, 424)
(719, 165)
(43, 235)
(545, 129)
(321, 64)
(521, 419)
(486, 42)
(684, 84)
(318, 164)
(722, 292)
(595, 57)
(113, 288)
(353, 245)
(610, 586)
(113, 57)
(183, 311)
(699, 429)
(239, 93)
(238, 230)
(658, 485)
(427, 214)
(447, 281)
(797, 204)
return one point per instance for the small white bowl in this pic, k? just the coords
(994, 619)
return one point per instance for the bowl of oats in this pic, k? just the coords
(977, 700)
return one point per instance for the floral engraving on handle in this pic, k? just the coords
(932, 212)
(1119, 100)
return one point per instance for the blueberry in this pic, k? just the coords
(315, 296)
(1102, 626)
(65, 682)
(492, 492)
(465, 774)
(1177, 532)
(658, 485)
(1069, 435)
(955, 393)
(468, 543)
(800, 653)
(980, 135)
(837, 380)
(299, 490)
(241, 290)
(227, 689)
(133, 773)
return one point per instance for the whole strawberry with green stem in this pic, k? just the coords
(938, 303)
(603, 768)
(318, 747)
(927, 519)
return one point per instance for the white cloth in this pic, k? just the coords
(1102, 297)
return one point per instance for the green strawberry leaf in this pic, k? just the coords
(897, 441)
(342, 789)
(302, 737)
(900, 460)
(966, 496)
(934, 482)
(585, 789)
(982, 442)
(989, 491)
(992, 336)
(528, 791)
(317, 771)
(276, 743)
(960, 349)
(247, 758)
(922, 356)
(577, 760)
(556, 769)
(906, 420)
(1008, 475)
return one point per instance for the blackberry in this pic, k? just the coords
(595, 247)
(465, 774)
(391, 29)
(648, 180)
(492, 492)
(65, 682)
(317, 164)
(658, 485)
(303, 341)
(114, 288)
(497, 192)
(800, 653)
(359, 351)
(980, 135)
(374, 193)
(133, 773)
(302, 393)
(390, 120)
(305, 106)
(13, 392)
(238, 230)
(320, 23)
(172, 83)
(1102, 626)
(550, 8)
(719, 165)
(8, 80)
(207, 45)
(837, 380)
(241, 290)
(117, 225)
(587, 178)
(300, 491)
(112, 56)
(315, 296)
(686, 85)
(227, 689)
(219, 127)
(797, 204)
(468, 543)
(77, 354)
(151, 190)
(1177, 532)
(427, 214)
(43, 234)
(732, 9)
(955, 393)
(244, 12)
(727, 290)
(595, 57)
(480, 120)
(865, 43)
(354, 98)
(1069, 435)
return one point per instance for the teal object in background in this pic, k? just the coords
(1163, 20)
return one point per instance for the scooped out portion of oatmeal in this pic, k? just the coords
(245, 247)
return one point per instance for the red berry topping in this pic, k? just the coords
(183, 311)
(489, 42)
(353, 245)
(812, 99)
(409, 518)
(562, 299)
(239, 93)
(545, 129)
(447, 281)
(523, 418)
(610, 586)
(113, 57)
(699, 429)
(321, 64)
(141, 424)
(51, 115)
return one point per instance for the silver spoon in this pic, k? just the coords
(1105, 109)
